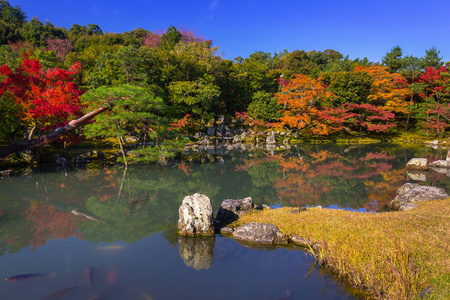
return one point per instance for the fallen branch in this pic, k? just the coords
(53, 136)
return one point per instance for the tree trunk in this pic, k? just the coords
(121, 150)
(51, 137)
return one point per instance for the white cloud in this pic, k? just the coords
(213, 5)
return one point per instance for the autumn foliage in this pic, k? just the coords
(47, 96)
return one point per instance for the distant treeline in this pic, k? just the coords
(175, 80)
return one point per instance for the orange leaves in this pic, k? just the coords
(301, 98)
(388, 89)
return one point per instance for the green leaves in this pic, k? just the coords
(131, 108)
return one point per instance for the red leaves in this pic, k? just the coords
(46, 95)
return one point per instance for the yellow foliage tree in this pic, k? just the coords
(389, 90)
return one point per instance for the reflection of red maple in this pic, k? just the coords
(186, 168)
(48, 222)
(307, 179)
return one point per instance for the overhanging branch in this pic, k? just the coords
(53, 136)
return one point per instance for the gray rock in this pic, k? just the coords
(61, 161)
(6, 172)
(196, 216)
(406, 187)
(220, 131)
(417, 164)
(132, 139)
(270, 140)
(300, 241)
(299, 210)
(260, 233)
(197, 252)
(440, 164)
(404, 200)
(441, 170)
(263, 206)
(230, 210)
(225, 230)
(210, 131)
(448, 156)
(408, 206)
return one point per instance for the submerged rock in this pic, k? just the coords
(196, 216)
(417, 164)
(407, 199)
(231, 210)
(197, 252)
(260, 233)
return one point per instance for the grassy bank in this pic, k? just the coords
(394, 255)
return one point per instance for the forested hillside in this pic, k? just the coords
(159, 84)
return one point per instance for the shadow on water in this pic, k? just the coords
(122, 222)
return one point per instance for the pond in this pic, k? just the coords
(99, 231)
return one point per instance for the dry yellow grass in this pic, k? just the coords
(394, 255)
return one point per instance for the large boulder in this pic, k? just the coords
(230, 210)
(408, 199)
(197, 252)
(260, 233)
(417, 164)
(196, 216)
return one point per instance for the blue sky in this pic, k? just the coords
(358, 28)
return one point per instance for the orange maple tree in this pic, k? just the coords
(389, 90)
(302, 98)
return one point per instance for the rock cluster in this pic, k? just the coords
(410, 194)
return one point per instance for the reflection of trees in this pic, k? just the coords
(144, 200)
(39, 223)
(347, 177)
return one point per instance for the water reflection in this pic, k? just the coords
(113, 204)
(197, 252)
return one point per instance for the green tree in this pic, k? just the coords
(264, 106)
(10, 122)
(298, 62)
(169, 39)
(394, 60)
(34, 32)
(132, 109)
(200, 96)
(432, 58)
(348, 87)
(13, 16)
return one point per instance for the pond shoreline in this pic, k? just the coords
(394, 255)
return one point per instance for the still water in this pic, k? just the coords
(99, 231)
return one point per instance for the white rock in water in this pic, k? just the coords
(196, 216)
(417, 164)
